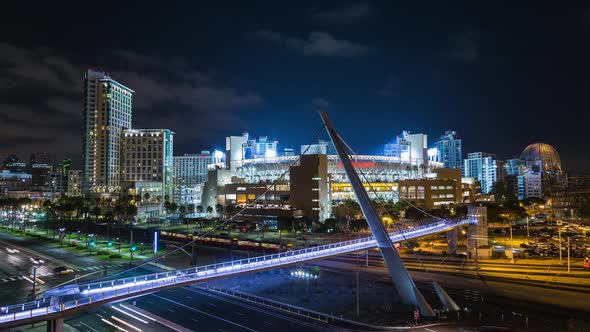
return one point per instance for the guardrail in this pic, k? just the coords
(295, 310)
(105, 290)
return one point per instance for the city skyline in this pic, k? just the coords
(430, 77)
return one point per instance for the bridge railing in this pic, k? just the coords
(103, 290)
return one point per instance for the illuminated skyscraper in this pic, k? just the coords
(106, 114)
(449, 150)
(147, 157)
(483, 167)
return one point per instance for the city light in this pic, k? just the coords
(218, 154)
(270, 154)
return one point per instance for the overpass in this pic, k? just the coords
(81, 297)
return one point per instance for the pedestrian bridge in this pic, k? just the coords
(81, 297)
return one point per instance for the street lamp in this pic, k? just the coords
(91, 244)
(35, 280)
(61, 236)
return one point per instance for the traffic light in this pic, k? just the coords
(110, 244)
(133, 248)
(92, 243)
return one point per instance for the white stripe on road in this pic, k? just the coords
(130, 315)
(429, 330)
(126, 324)
(204, 313)
(115, 326)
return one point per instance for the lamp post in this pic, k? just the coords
(568, 255)
(34, 281)
(559, 232)
(91, 244)
(61, 236)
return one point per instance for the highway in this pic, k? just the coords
(20, 255)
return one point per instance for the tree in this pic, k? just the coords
(218, 208)
(199, 209)
(146, 197)
(209, 209)
(130, 210)
(352, 208)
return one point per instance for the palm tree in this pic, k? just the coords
(209, 209)
(199, 209)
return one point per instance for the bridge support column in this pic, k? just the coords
(55, 325)
(401, 278)
(452, 241)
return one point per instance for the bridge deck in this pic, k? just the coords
(97, 293)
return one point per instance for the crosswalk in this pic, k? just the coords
(78, 269)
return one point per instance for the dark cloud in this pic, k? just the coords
(317, 44)
(348, 14)
(168, 94)
(464, 47)
(25, 67)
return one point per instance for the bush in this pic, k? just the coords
(102, 252)
(113, 256)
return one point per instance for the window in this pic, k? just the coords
(420, 192)
(411, 192)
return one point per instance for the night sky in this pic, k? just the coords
(503, 74)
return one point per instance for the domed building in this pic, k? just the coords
(543, 155)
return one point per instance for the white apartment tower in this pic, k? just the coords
(107, 113)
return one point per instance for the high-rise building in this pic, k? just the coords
(191, 170)
(234, 151)
(74, 183)
(449, 150)
(106, 114)
(57, 183)
(39, 167)
(483, 167)
(147, 157)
